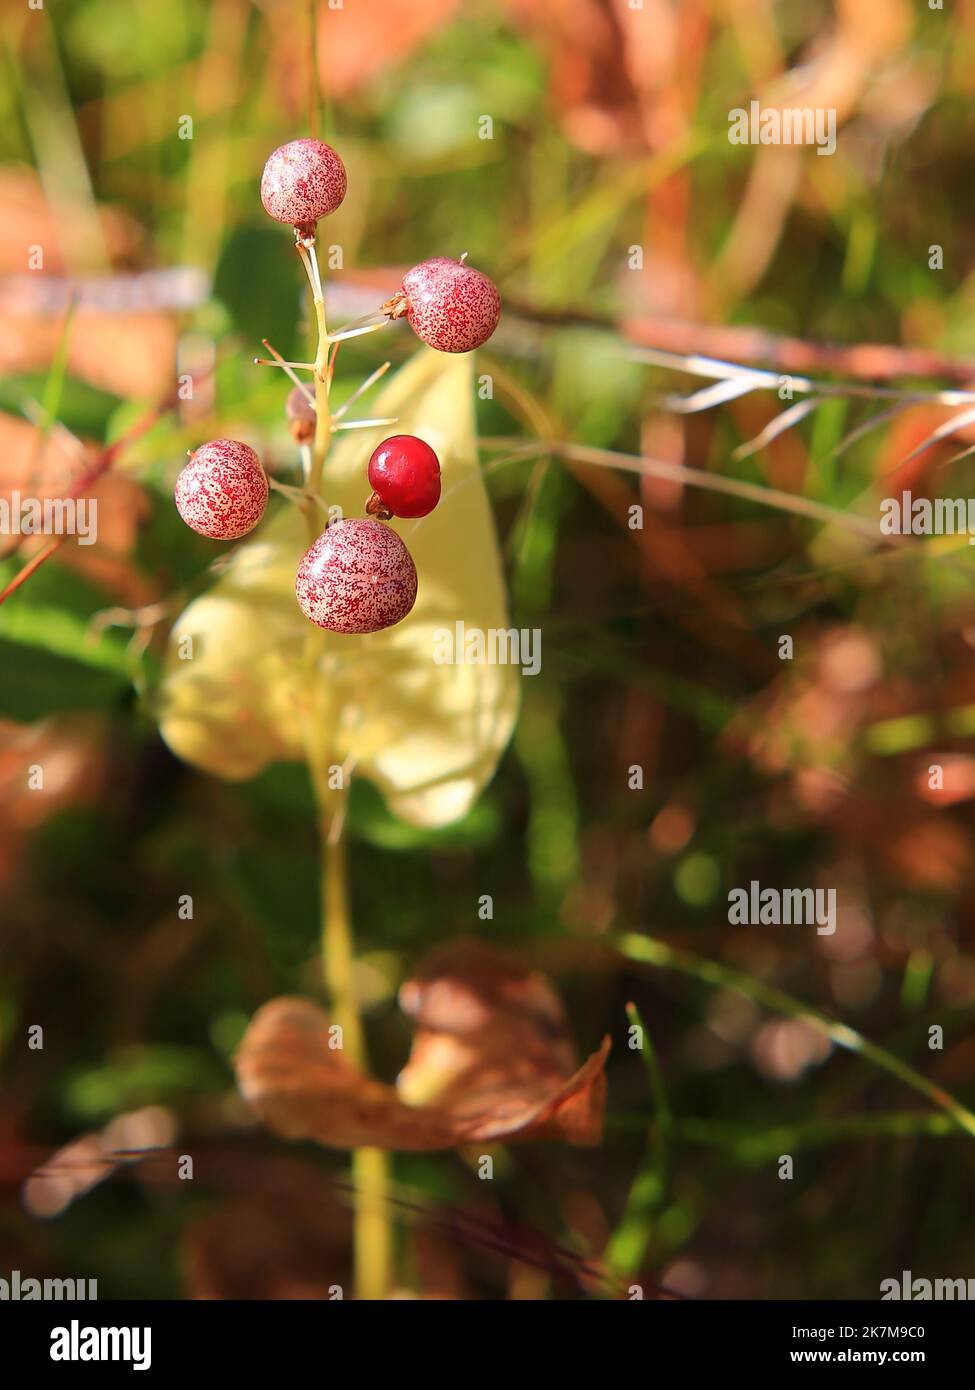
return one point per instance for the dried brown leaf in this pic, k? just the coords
(490, 1061)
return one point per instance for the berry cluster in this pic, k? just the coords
(358, 576)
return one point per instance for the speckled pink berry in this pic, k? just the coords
(450, 305)
(222, 491)
(303, 181)
(357, 577)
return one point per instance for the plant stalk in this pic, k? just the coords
(323, 416)
(370, 1167)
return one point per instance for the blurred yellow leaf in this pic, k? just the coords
(263, 685)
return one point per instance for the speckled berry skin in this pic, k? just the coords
(357, 577)
(303, 181)
(449, 305)
(405, 473)
(222, 491)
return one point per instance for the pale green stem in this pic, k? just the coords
(370, 1167)
(323, 417)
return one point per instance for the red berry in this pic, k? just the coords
(450, 305)
(303, 181)
(357, 577)
(405, 475)
(222, 491)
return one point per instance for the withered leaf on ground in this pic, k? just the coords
(491, 1060)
